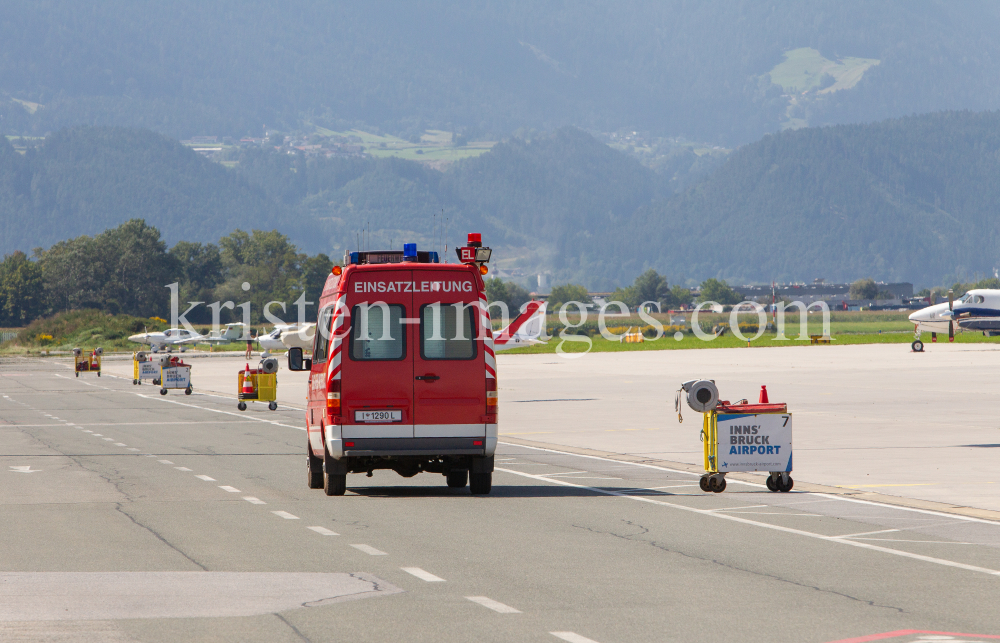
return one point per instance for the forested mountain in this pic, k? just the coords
(698, 69)
(912, 199)
(84, 180)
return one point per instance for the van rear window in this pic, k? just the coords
(448, 331)
(377, 332)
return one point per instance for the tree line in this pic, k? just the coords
(127, 269)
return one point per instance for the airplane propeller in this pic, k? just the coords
(951, 320)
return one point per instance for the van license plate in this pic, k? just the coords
(378, 416)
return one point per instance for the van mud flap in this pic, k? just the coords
(482, 465)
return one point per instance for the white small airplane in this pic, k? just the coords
(524, 330)
(976, 310)
(180, 337)
(286, 336)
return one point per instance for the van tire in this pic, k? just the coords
(457, 478)
(480, 484)
(334, 476)
(335, 484)
(314, 469)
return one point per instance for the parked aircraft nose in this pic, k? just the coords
(136, 338)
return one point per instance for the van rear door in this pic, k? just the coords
(449, 397)
(377, 380)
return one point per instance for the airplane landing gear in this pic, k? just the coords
(917, 346)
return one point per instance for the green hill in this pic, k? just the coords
(697, 69)
(84, 180)
(907, 199)
(910, 199)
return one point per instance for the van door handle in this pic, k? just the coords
(429, 378)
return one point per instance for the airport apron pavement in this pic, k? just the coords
(867, 418)
(130, 516)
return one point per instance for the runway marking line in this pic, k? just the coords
(572, 637)
(254, 501)
(788, 530)
(182, 469)
(285, 515)
(901, 633)
(323, 531)
(422, 574)
(368, 549)
(868, 533)
(206, 478)
(825, 496)
(496, 606)
(164, 461)
(229, 489)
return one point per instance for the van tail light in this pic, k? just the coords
(333, 399)
(491, 396)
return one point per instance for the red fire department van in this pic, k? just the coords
(403, 374)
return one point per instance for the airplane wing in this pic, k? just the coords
(299, 338)
(524, 330)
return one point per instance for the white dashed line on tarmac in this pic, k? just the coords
(229, 489)
(182, 469)
(368, 549)
(422, 574)
(496, 606)
(323, 531)
(206, 478)
(120, 444)
(254, 501)
(572, 637)
(164, 461)
(285, 515)
(108, 439)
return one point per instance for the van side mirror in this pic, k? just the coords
(296, 362)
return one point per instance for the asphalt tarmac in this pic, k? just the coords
(130, 516)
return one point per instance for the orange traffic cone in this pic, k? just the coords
(247, 382)
(763, 395)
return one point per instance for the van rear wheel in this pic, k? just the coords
(457, 478)
(335, 484)
(334, 476)
(314, 469)
(480, 484)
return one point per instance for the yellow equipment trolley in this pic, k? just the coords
(87, 361)
(740, 436)
(258, 384)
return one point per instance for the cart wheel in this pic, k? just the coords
(98, 373)
(134, 382)
(718, 484)
(704, 484)
(273, 406)
(156, 381)
(78, 373)
(785, 488)
(187, 391)
(917, 346)
(242, 406)
(163, 391)
(770, 483)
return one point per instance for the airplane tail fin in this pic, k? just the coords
(525, 328)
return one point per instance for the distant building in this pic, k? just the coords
(836, 295)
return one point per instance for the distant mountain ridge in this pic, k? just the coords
(671, 67)
(911, 199)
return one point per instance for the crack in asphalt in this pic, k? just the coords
(293, 628)
(135, 521)
(637, 537)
